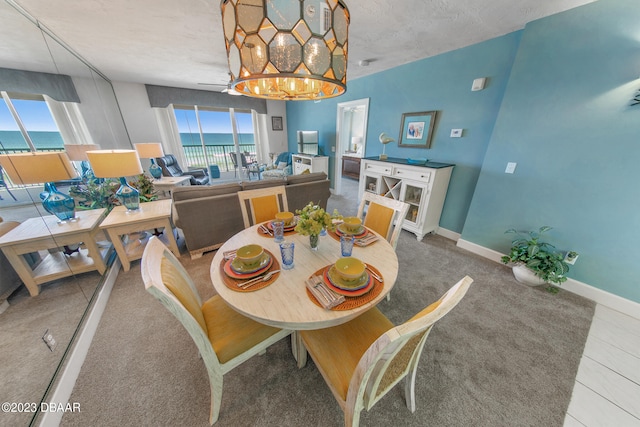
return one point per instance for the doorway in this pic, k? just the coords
(351, 136)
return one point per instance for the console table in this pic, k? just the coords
(423, 187)
(46, 232)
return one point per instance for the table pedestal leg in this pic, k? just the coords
(298, 349)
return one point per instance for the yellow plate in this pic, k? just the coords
(351, 285)
(240, 268)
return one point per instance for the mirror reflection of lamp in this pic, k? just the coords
(151, 150)
(44, 167)
(356, 142)
(118, 164)
(384, 140)
(78, 153)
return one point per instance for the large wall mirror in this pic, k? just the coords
(27, 364)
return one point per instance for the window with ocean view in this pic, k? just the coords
(36, 119)
(216, 141)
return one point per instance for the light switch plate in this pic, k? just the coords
(456, 133)
(511, 167)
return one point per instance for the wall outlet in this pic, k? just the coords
(333, 148)
(49, 340)
(571, 257)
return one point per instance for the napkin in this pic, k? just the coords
(322, 295)
(366, 240)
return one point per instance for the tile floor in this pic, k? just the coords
(607, 389)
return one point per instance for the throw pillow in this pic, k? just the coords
(282, 165)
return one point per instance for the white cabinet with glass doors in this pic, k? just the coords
(424, 188)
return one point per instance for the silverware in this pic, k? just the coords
(262, 278)
(374, 274)
(333, 298)
(265, 230)
(364, 241)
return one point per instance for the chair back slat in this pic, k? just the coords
(392, 356)
(384, 215)
(160, 267)
(262, 204)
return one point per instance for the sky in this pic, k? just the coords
(212, 121)
(34, 114)
(36, 117)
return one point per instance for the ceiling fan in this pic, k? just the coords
(227, 88)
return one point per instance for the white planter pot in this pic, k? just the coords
(526, 276)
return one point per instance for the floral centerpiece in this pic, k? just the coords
(312, 220)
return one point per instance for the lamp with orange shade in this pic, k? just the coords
(43, 167)
(151, 150)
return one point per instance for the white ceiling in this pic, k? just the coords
(180, 43)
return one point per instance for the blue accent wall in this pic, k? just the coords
(557, 103)
(566, 120)
(441, 83)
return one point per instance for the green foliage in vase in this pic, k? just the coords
(145, 186)
(540, 257)
(312, 219)
(95, 193)
(101, 193)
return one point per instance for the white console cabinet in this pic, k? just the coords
(302, 162)
(423, 187)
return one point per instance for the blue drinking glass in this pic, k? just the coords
(286, 251)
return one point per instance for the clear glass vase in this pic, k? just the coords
(313, 241)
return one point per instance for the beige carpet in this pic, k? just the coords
(506, 356)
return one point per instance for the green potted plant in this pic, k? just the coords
(536, 262)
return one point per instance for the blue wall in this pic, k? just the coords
(566, 120)
(441, 83)
(557, 103)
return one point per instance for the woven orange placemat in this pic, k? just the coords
(232, 283)
(263, 234)
(351, 302)
(336, 236)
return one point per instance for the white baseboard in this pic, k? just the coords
(615, 302)
(67, 378)
(451, 235)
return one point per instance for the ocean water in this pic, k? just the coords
(12, 140)
(215, 138)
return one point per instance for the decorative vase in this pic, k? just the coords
(526, 276)
(58, 204)
(128, 196)
(313, 241)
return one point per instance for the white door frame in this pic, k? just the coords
(341, 130)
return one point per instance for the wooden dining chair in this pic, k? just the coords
(262, 204)
(361, 360)
(224, 337)
(384, 215)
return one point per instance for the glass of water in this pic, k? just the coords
(278, 230)
(346, 245)
(286, 252)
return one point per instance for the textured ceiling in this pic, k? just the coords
(180, 43)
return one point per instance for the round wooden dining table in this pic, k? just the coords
(285, 302)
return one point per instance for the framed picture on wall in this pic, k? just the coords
(416, 129)
(276, 123)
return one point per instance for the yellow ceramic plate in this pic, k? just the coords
(240, 268)
(351, 285)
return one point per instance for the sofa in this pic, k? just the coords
(281, 167)
(209, 215)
